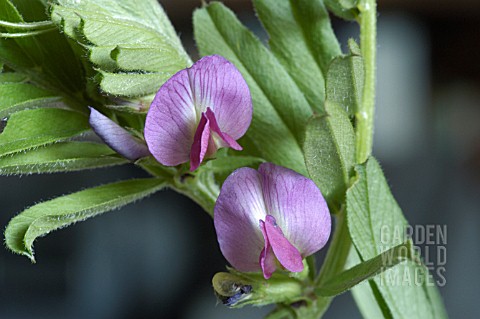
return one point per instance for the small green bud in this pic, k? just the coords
(236, 289)
(231, 290)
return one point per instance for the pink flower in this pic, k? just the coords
(273, 214)
(197, 111)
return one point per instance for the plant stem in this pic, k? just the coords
(200, 188)
(338, 251)
(25, 34)
(365, 114)
(27, 25)
(334, 261)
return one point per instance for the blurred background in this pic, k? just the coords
(155, 259)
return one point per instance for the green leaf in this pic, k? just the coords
(100, 56)
(147, 59)
(313, 18)
(12, 77)
(354, 48)
(370, 303)
(46, 58)
(60, 212)
(345, 80)
(223, 166)
(124, 36)
(347, 279)
(349, 4)
(147, 13)
(370, 205)
(60, 157)
(345, 9)
(280, 108)
(134, 106)
(131, 84)
(371, 210)
(330, 152)
(18, 96)
(102, 31)
(30, 129)
(231, 163)
(302, 40)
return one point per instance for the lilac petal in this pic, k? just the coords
(225, 139)
(200, 143)
(171, 121)
(297, 206)
(285, 252)
(116, 137)
(237, 212)
(267, 257)
(218, 84)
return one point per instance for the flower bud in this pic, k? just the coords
(237, 290)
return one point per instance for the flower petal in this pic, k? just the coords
(225, 139)
(238, 210)
(118, 138)
(218, 84)
(298, 207)
(200, 143)
(267, 257)
(285, 252)
(212, 82)
(171, 121)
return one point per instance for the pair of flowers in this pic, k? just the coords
(264, 219)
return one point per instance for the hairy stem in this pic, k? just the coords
(201, 188)
(338, 252)
(27, 25)
(365, 114)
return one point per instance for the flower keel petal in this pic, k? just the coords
(225, 139)
(288, 256)
(200, 143)
(267, 257)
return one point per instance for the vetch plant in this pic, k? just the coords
(272, 141)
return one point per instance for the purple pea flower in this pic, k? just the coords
(273, 214)
(197, 111)
(116, 137)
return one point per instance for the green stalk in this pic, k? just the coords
(25, 34)
(341, 243)
(338, 252)
(201, 188)
(334, 261)
(27, 25)
(365, 114)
